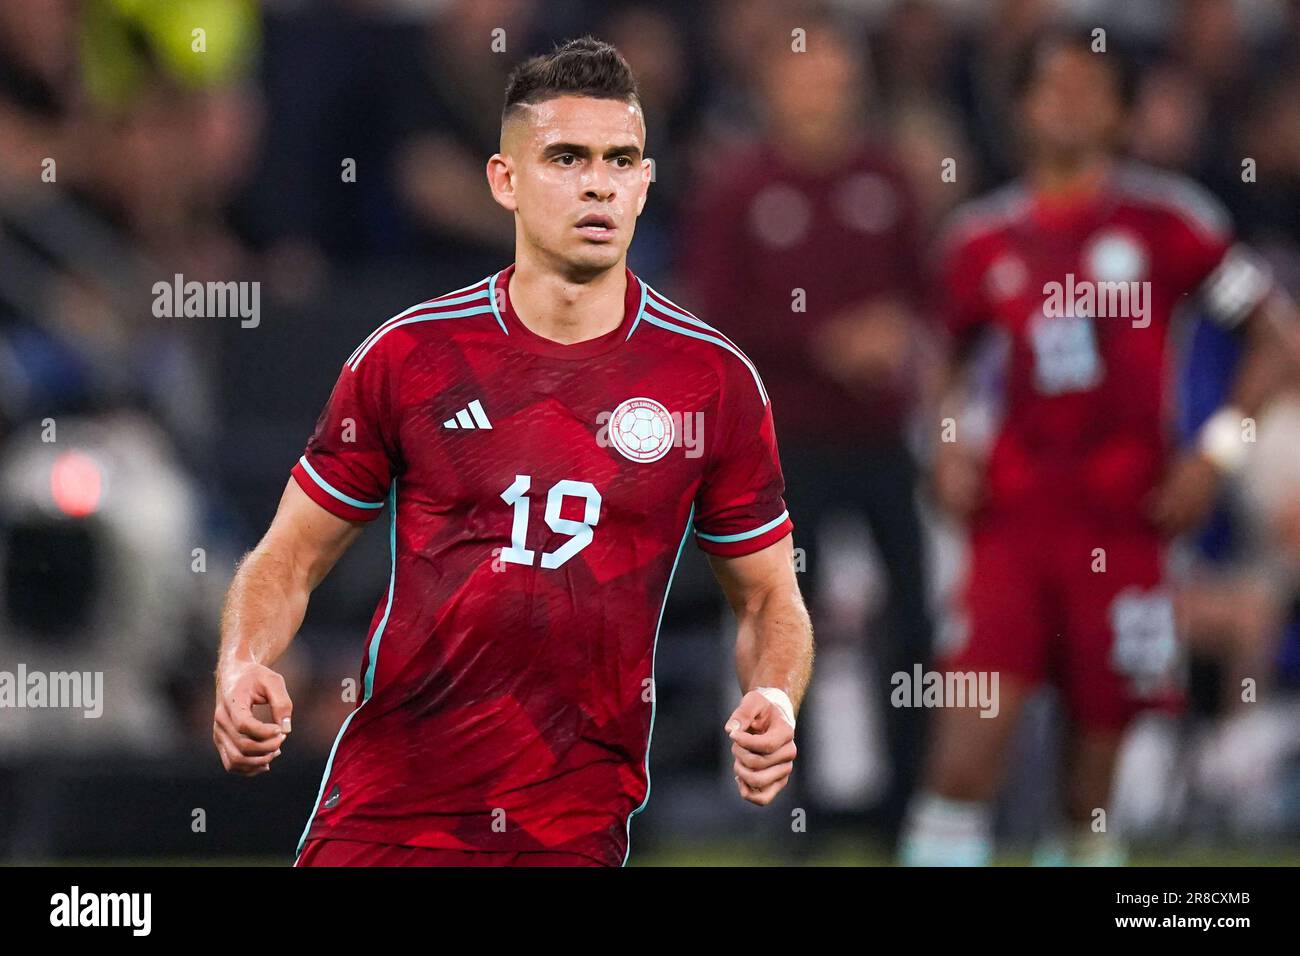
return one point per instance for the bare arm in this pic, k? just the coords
(774, 649)
(956, 466)
(263, 610)
(1271, 357)
(1267, 365)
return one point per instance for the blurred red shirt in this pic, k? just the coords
(760, 230)
(1085, 401)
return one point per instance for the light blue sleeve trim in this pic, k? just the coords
(325, 485)
(460, 313)
(723, 343)
(640, 311)
(744, 535)
(492, 298)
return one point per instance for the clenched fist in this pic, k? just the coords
(763, 745)
(248, 745)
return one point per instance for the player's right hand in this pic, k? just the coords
(763, 745)
(248, 745)
(957, 479)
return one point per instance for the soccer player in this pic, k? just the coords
(1079, 267)
(545, 441)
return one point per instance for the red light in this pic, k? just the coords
(76, 484)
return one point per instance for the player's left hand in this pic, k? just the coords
(763, 745)
(1187, 494)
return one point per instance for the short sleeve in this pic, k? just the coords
(1227, 279)
(740, 507)
(960, 288)
(349, 461)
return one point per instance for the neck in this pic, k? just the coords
(809, 149)
(1067, 179)
(566, 308)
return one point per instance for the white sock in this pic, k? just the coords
(944, 832)
(1079, 845)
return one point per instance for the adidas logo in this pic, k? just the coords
(471, 417)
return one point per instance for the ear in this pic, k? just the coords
(501, 180)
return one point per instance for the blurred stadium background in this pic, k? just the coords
(176, 435)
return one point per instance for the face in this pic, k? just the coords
(813, 91)
(1072, 105)
(573, 171)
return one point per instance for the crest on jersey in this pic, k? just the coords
(1007, 277)
(641, 429)
(1115, 255)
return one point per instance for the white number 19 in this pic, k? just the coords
(581, 531)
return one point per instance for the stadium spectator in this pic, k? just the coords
(805, 250)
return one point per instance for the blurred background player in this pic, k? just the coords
(806, 245)
(1072, 507)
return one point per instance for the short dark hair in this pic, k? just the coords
(582, 67)
(1026, 66)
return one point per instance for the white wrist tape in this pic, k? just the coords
(1220, 439)
(782, 702)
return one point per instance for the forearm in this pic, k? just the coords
(264, 608)
(774, 643)
(960, 414)
(1267, 365)
(1270, 358)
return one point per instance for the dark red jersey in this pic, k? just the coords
(539, 497)
(1083, 293)
(775, 251)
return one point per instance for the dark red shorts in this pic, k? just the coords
(1081, 607)
(353, 853)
